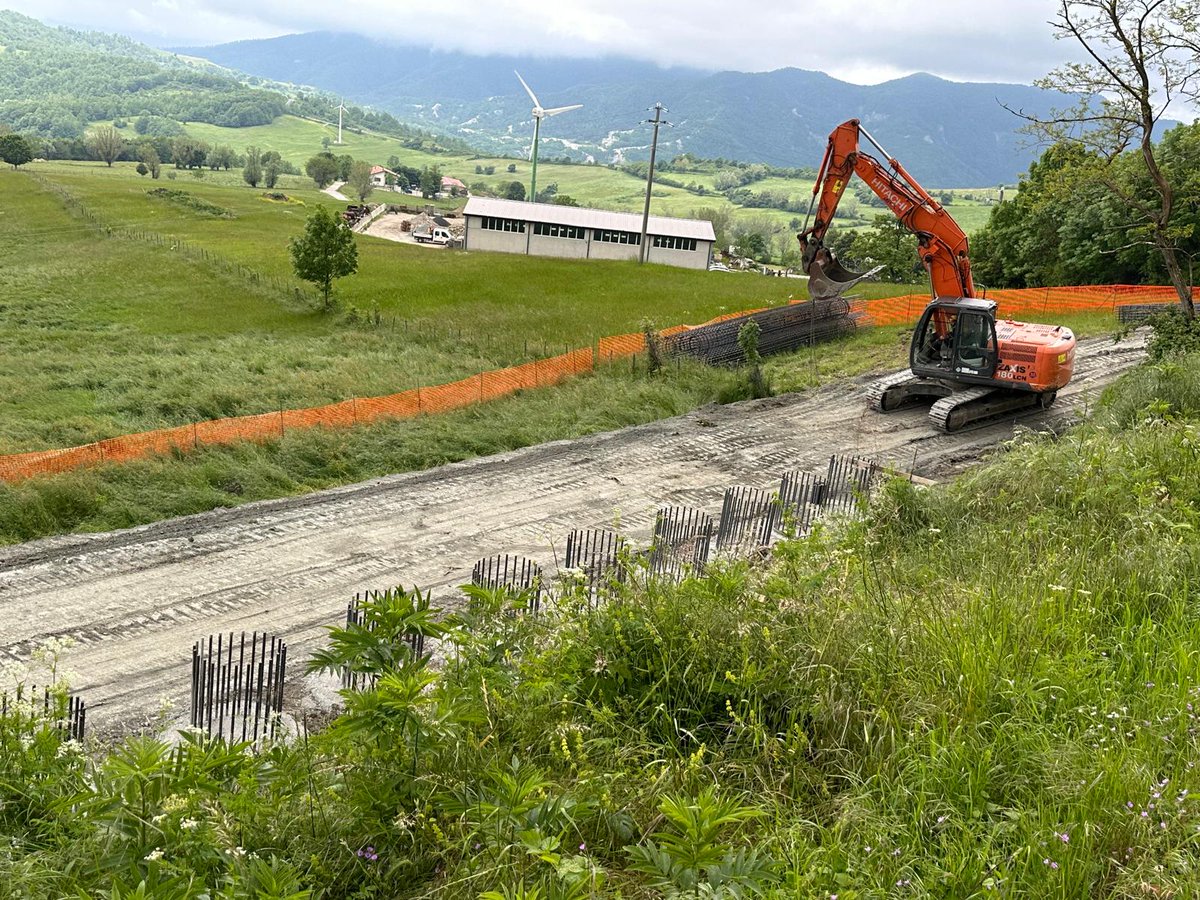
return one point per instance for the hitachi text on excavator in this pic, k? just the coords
(972, 367)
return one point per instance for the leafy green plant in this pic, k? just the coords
(692, 859)
(1175, 334)
(383, 641)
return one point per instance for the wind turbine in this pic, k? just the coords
(341, 109)
(538, 114)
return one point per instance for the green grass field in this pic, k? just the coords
(112, 336)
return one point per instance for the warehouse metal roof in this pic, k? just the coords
(581, 217)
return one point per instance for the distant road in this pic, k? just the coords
(334, 191)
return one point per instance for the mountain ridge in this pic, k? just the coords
(949, 134)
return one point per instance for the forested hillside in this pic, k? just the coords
(54, 81)
(1066, 226)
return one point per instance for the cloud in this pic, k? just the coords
(872, 40)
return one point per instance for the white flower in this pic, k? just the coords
(189, 824)
(70, 747)
(154, 855)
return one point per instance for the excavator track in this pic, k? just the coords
(878, 391)
(905, 388)
(981, 405)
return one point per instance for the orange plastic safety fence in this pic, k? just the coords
(1018, 302)
(504, 382)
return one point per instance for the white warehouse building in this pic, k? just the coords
(545, 229)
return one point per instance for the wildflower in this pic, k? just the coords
(896, 852)
(154, 855)
(67, 748)
(189, 824)
(600, 665)
(582, 847)
(1058, 587)
(1049, 862)
(1064, 837)
(941, 819)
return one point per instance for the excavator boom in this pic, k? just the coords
(942, 243)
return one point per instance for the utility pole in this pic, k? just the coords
(659, 109)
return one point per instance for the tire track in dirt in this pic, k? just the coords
(136, 600)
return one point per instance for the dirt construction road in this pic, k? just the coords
(136, 600)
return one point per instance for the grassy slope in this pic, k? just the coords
(985, 689)
(185, 342)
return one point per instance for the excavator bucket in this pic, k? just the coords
(828, 278)
(832, 279)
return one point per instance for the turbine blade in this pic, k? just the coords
(561, 109)
(528, 89)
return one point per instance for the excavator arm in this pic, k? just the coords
(942, 244)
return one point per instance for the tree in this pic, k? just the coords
(512, 168)
(360, 180)
(151, 161)
(889, 244)
(322, 169)
(565, 200)
(15, 150)
(222, 157)
(252, 172)
(188, 152)
(722, 223)
(141, 169)
(515, 190)
(345, 161)
(106, 143)
(431, 181)
(271, 172)
(1139, 55)
(324, 252)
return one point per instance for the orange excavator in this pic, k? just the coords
(972, 367)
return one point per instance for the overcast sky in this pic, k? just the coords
(866, 41)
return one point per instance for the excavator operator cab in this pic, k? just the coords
(956, 337)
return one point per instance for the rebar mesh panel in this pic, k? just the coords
(747, 516)
(800, 498)
(848, 484)
(71, 724)
(356, 615)
(780, 329)
(237, 685)
(513, 573)
(681, 540)
(596, 553)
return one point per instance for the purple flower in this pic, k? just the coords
(582, 847)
